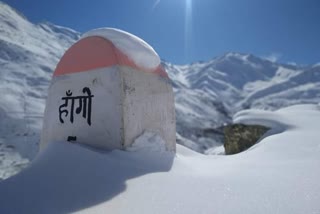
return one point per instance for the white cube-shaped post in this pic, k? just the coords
(107, 90)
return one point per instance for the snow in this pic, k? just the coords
(27, 60)
(68, 177)
(208, 94)
(218, 150)
(147, 142)
(278, 175)
(11, 162)
(135, 48)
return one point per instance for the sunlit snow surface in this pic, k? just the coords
(278, 175)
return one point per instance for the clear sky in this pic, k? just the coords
(185, 31)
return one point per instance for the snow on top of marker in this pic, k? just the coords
(142, 54)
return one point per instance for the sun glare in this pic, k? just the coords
(156, 3)
(188, 28)
(188, 4)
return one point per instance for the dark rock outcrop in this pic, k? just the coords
(239, 137)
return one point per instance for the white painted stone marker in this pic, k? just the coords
(108, 89)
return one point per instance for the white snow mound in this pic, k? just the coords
(11, 162)
(278, 175)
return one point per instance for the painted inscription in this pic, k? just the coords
(84, 106)
(72, 138)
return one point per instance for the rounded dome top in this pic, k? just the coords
(106, 47)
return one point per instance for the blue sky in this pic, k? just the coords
(185, 31)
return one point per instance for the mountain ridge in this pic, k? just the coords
(207, 94)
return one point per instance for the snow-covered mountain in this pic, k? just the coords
(207, 93)
(28, 54)
(280, 174)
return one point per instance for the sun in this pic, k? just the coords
(188, 4)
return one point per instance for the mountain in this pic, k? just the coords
(28, 54)
(207, 94)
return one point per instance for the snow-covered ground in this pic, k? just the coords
(278, 175)
(11, 161)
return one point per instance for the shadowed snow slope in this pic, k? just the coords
(278, 175)
(28, 54)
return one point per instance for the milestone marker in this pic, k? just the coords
(107, 89)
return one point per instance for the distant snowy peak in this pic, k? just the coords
(16, 29)
(209, 93)
(235, 77)
(63, 31)
(235, 68)
(11, 16)
(316, 65)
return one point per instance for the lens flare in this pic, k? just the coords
(188, 29)
(155, 5)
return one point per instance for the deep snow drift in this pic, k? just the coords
(278, 175)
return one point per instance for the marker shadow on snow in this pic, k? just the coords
(67, 177)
